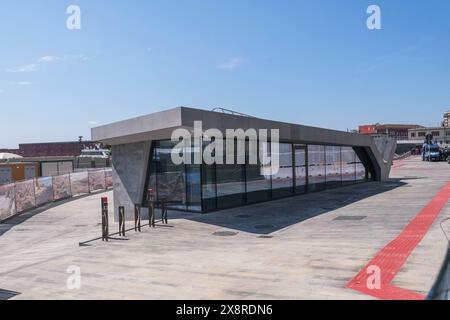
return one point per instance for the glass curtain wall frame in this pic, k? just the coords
(204, 188)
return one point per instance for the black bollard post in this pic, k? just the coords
(151, 209)
(166, 211)
(122, 221)
(163, 211)
(151, 215)
(105, 224)
(137, 218)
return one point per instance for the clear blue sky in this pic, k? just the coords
(310, 62)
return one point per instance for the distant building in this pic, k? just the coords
(313, 159)
(53, 149)
(395, 131)
(368, 129)
(440, 134)
(446, 122)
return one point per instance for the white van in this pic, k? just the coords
(95, 153)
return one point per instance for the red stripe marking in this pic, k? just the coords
(397, 164)
(393, 256)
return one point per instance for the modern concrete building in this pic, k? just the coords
(311, 159)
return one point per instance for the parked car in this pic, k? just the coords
(431, 152)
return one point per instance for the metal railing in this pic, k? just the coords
(21, 196)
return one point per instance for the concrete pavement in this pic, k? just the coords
(305, 247)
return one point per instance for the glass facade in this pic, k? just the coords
(348, 165)
(201, 188)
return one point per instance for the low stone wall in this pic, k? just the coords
(25, 195)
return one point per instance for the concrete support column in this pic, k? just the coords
(129, 164)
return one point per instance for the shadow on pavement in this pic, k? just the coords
(268, 217)
(16, 220)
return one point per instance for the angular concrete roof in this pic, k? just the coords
(161, 124)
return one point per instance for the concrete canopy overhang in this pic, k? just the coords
(160, 125)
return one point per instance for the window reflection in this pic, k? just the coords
(259, 180)
(193, 186)
(169, 178)
(209, 187)
(300, 168)
(316, 167)
(333, 168)
(283, 177)
(360, 170)
(348, 165)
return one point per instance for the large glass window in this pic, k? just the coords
(258, 182)
(193, 188)
(333, 169)
(316, 167)
(230, 179)
(360, 170)
(230, 185)
(170, 178)
(348, 165)
(282, 175)
(209, 187)
(300, 168)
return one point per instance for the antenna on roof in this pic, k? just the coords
(228, 111)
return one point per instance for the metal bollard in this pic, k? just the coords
(105, 224)
(151, 208)
(137, 218)
(164, 212)
(122, 221)
(152, 215)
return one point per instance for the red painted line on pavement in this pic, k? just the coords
(393, 256)
(397, 164)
